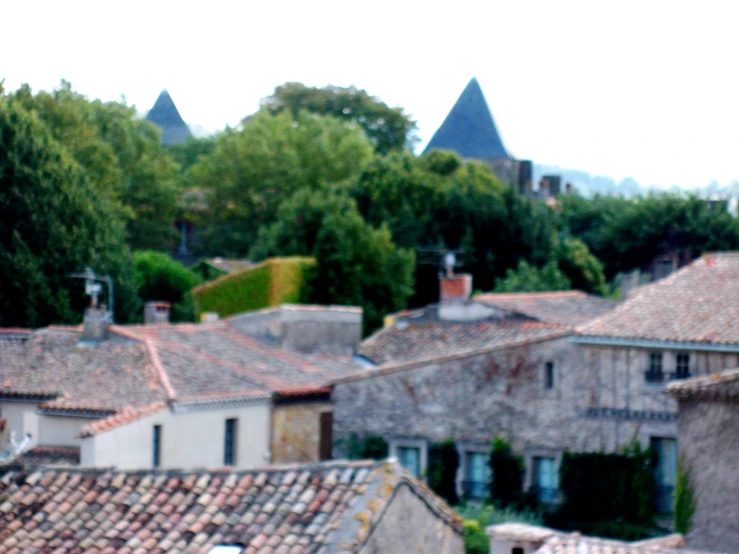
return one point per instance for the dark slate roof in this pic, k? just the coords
(164, 115)
(722, 385)
(469, 129)
(568, 307)
(50, 456)
(697, 304)
(407, 342)
(300, 509)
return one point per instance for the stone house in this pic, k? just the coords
(335, 507)
(239, 392)
(708, 441)
(684, 325)
(472, 371)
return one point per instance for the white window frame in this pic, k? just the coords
(422, 446)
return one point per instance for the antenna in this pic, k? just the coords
(446, 258)
(93, 287)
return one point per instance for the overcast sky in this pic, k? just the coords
(642, 89)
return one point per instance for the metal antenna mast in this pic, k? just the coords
(93, 288)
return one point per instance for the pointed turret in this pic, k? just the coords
(469, 129)
(164, 115)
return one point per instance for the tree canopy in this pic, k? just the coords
(53, 222)
(387, 128)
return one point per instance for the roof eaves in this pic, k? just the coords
(123, 417)
(634, 342)
(382, 370)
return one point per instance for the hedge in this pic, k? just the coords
(273, 282)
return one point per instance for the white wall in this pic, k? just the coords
(60, 430)
(22, 418)
(188, 440)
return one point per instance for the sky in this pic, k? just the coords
(646, 89)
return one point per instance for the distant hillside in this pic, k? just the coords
(587, 184)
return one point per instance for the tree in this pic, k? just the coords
(121, 155)
(356, 264)
(580, 267)
(387, 128)
(53, 222)
(252, 170)
(159, 277)
(529, 278)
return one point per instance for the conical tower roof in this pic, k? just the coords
(164, 115)
(469, 129)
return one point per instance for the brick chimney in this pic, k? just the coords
(95, 323)
(455, 288)
(156, 312)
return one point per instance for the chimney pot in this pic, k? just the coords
(455, 288)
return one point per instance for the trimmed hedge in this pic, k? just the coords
(273, 282)
(443, 462)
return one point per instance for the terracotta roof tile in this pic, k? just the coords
(122, 417)
(699, 303)
(724, 384)
(279, 508)
(428, 340)
(567, 307)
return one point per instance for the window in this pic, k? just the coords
(546, 480)
(229, 443)
(410, 458)
(326, 443)
(476, 475)
(682, 366)
(664, 451)
(654, 373)
(517, 550)
(549, 375)
(156, 446)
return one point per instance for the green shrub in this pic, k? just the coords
(477, 518)
(684, 501)
(159, 277)
(443, 463)
(271, 283)
(506, 485)
(371, 447)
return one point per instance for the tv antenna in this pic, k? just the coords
(93, 287)
(446, 258)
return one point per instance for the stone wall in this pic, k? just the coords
(409, 525)
(709, 443)
(474, 399)
(296, 431)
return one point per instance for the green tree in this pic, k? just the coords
(442, 472)
(252, 170)
(121, 155)
(53, 222)
(529, 278)
(582, 269)
(159, 277)
(356, 264)
(506, 486)
(388, 128)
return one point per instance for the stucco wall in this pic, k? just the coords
(22, 418)
(60, 430)
(409, 526)
(189, 440)
(709, 442)
(475, 399)
(296, 431)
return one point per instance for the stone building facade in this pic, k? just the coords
(708, 439)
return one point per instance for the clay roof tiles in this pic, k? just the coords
(724, 384)
(430, 340)
(697, 304)
(298, 509)
(566, 307)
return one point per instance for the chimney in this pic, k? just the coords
(569, 188)
(95, 323)
(544, 188)
(455, 289)
(156, 312)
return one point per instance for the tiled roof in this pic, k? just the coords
(280, 509)
(142, 366)
(724, 384)
(428, 340)
(568, 307)
(697, 304)
(50, 456)
(122, 417)
(51, 365)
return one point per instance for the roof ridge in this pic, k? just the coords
(122, 417)
(540, 294)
